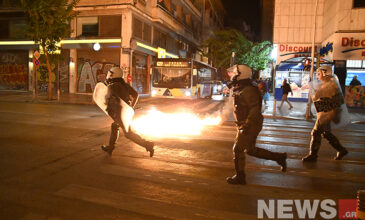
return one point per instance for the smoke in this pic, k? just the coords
(226, 110)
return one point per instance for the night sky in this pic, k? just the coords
(238, 10)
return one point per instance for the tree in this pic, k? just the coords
(224, 42)
(48, 23)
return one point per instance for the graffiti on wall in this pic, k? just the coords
(90, 73)
(13, 71)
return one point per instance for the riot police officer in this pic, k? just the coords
(249, 122)
(119, 89)
(331, 109)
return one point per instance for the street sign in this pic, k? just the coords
(37, 63)
(36, 54)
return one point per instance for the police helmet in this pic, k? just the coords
(114, 72)
(240, 72)
(325, 70)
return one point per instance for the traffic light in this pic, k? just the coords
(306, 62)
(306, 65)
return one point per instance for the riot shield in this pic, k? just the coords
(329, 102)
(100, 96)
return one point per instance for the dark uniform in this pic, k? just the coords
(249, 122)
(118, 89)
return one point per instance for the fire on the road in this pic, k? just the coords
(180, 124)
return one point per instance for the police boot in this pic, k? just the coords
(114, 134)
(108, 148)
(239, 177)
(262, 153)
(335, 143)
(314, 147)
(149, 147)
(281, 160)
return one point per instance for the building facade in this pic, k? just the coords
(339, 38)
(126, 33)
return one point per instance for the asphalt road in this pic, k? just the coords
(52, 167)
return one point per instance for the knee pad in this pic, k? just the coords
(328, 135)
(251, 151)
(237, 149)
(316, 132)
(115, 126)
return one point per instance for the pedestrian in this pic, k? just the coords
(249, 121)
(355, 81)
(328, 99)
(119, 89)
(263, 90)
(286, 89)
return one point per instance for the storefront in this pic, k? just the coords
(292, 66)
(139, 73)
(93, 66)
(14, 70)
(347, 50)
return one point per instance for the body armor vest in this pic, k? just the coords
(242, 108)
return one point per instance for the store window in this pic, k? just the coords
(87, 26)
(359, 3)
(139, 73)
(355, 68)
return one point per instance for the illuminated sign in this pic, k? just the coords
(172, 64)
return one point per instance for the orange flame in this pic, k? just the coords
(159, 124)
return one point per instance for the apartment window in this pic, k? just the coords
(87, 26)
(16, 29)
(147, 33)
(173, 10)
(4, 29)
(137, 28)
(159, 38)
(141, 30)
(359, 3)
(162, 4)
(110, 26)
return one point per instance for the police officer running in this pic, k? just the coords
(119, 89)
(249, 122)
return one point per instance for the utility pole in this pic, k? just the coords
(308, 114)
(58, 80)
(34, 80)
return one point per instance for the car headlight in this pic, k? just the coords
(154, 92)
(187, 93)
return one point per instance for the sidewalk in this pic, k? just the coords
(298, 112)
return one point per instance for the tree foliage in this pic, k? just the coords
(48, 24)
(224, 42)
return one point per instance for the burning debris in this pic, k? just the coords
(179, 124)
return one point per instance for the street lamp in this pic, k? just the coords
(96, 46)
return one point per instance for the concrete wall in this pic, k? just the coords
(293, 21)
(341, 17)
